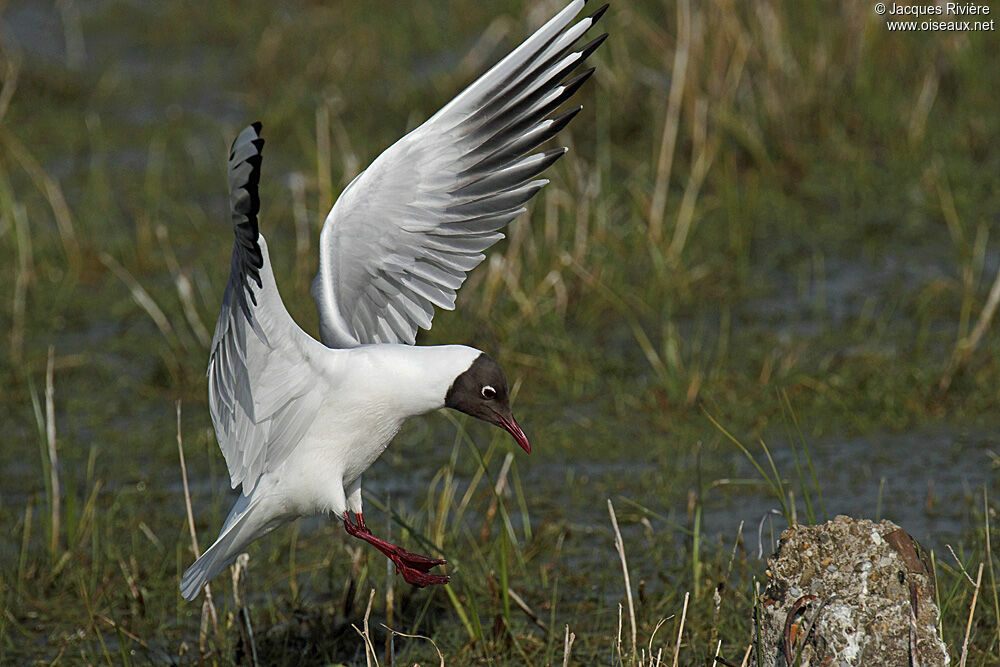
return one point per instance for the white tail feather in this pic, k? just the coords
(245, 523)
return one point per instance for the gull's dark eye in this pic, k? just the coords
(489, 393)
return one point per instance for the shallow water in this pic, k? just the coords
(928, 482)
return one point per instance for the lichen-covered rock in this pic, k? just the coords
(848, 592)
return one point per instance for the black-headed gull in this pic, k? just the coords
(299, 421)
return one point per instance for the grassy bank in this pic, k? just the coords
(775, 216)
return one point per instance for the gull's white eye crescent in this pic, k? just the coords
(489, 393)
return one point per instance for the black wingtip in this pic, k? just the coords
(259, 141)
(592, 46)
(562, 119)
(244, 201)
(596, 16)
(574, 84)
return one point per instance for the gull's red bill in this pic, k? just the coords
(511, 426)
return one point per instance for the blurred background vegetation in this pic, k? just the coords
(777, 220)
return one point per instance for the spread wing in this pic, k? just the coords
(264, 378)
(403, 235)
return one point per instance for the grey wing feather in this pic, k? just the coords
(401, 238)
(264, 382)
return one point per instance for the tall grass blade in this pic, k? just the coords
(671, 121)
(680, 630)
(462, 615)
(972, 612)
(22, 278)
(50, 439)
(620, 547)
(805, 448)
(774, 483)
(52, 192)
(989, 561)
(208, 608)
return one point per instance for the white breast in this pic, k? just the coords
(379, 387)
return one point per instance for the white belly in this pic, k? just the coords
(332, 455)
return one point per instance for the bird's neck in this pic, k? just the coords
(416, 378)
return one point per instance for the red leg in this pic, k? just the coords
(413, 567)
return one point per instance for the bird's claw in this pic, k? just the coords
(416, 561)
(415, 568)
(419, 577)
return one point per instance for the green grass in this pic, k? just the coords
(813, 267)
